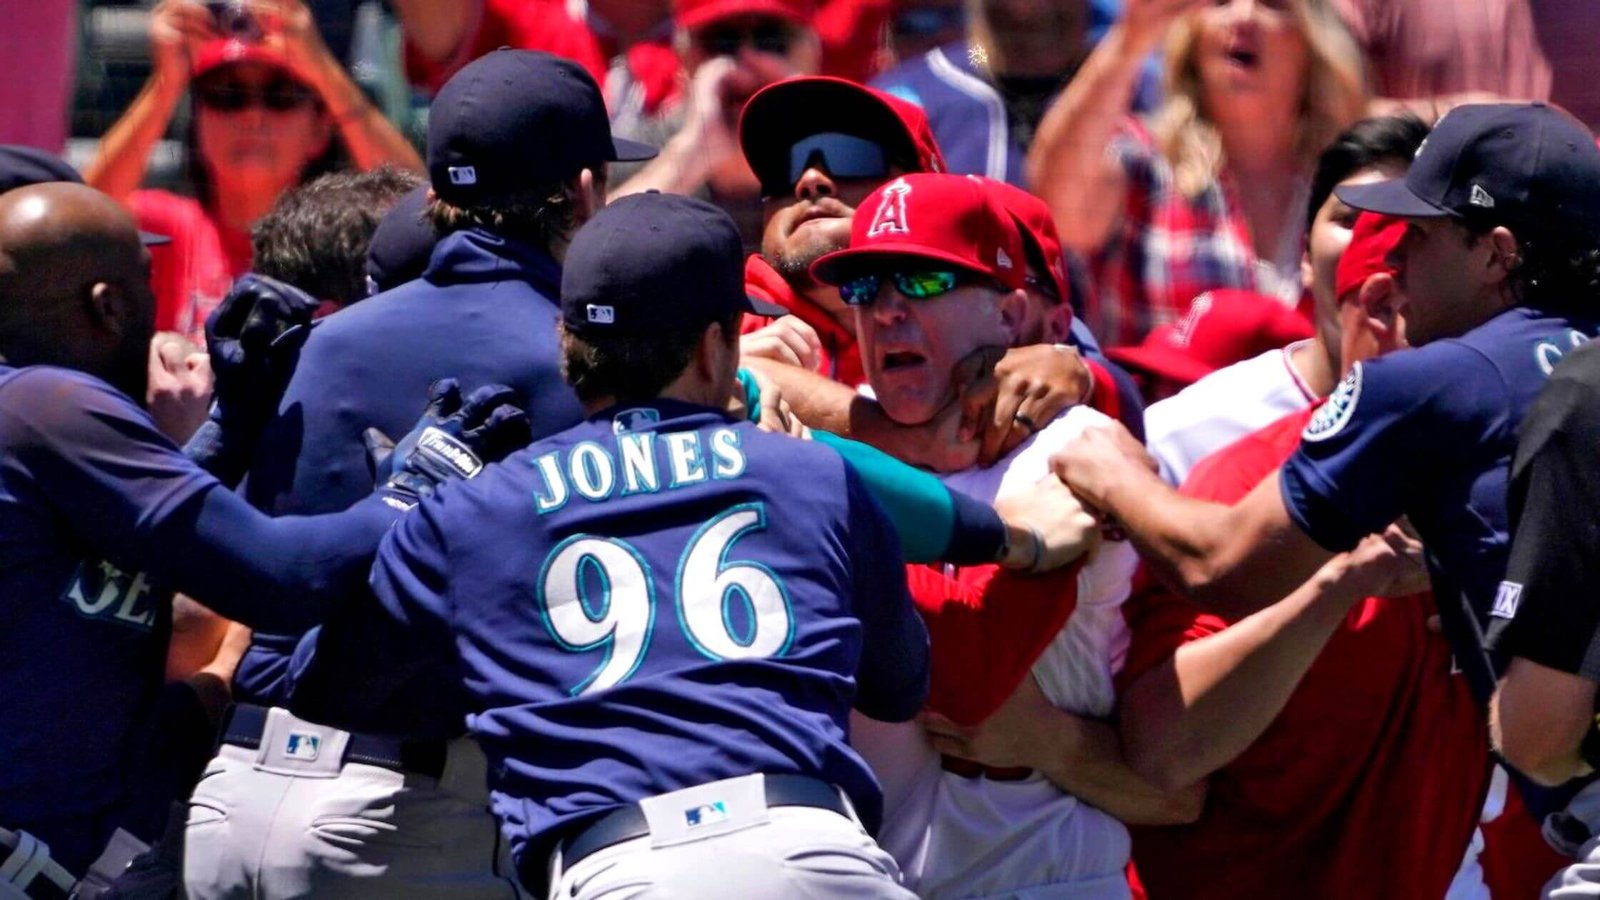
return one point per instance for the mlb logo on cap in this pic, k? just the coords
(602, 315)
(301, 745)
(463, 175)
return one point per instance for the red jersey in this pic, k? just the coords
(840, 358)
(1370, 781)
(191, 275)
(651, 67)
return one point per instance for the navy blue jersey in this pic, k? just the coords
(483, 313)
(657, 598)
(100, 518)
(1429, 433)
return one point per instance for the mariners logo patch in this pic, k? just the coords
(1332, 415)
(1506, 599)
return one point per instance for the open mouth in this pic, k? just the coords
(901, 359)
(1244, 57)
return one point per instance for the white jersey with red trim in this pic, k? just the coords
(1223, 407)
(960, 837)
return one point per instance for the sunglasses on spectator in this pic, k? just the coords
(921, 284)
(277, 95)
(725, 40)
(840, 155)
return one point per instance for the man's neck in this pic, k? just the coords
(1313, 361)
(826, 298)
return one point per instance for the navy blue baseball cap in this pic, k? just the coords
(1519, 163)
(654, 262)
(513, 119)
(402, 244)
(24, 166)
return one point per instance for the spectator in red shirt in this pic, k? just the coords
(1206, 194)
(273, 108)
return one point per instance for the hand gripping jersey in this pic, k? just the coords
(657, 598)
(483, 313)
(1368, 782)
(956, 836)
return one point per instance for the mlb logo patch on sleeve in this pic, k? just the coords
(1506, 598)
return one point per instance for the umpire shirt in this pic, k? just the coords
(484, 312)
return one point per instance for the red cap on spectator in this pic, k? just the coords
(950, 219)
(1221, 328)
(700, 13)
(1371, 241)
(1038, 228)
(779, 115)
(226, 51)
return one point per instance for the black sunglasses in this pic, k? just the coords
(725, 40)
(277, 95)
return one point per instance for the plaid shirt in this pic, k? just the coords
(1169, 248)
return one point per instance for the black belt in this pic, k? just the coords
(246, 723)
(628, 823)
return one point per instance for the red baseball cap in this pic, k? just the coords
(221, 52)
(781, 114)
(951, 219)
(1373, 238)
(1221, 328)
(1038, 228)
(690, 14)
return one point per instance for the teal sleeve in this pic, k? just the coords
(934, 522)
(918, 504)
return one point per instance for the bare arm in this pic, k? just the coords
(1080, 756)
(1067, 163)
(437, 28)
(370, 138)
(119, 165)
(1232, 559)
(1538, 718)
(1199, 710)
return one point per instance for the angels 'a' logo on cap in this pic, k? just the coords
(891, 215)
(1183, 331)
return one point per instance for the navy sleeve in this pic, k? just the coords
(387, 664)
(131, 494)
(892, 675)
(1367, 454)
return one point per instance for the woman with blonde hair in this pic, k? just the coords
(1209, 191)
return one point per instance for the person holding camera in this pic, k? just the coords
(273, 108)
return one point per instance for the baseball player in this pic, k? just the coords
(485, 313)
(1308, 718)
(1236, 400)
(656, 637)
(935, 269)
(1497, 198)
(104, 518)
(818, 146)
